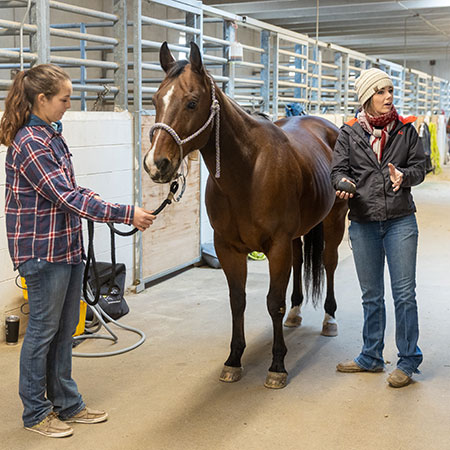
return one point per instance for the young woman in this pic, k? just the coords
(381, 155)
(44, 206)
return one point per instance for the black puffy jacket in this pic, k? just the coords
(353, 158)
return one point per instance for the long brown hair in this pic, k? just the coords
(42, 79)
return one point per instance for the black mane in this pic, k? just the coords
(177, 68)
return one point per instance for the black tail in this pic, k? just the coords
(313, 264)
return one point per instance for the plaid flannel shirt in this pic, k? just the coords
(44, 205)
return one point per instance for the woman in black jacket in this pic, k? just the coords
(380, 156)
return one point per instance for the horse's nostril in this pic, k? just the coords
(163, 165)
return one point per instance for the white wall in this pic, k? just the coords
(102, 148)
(441, 69)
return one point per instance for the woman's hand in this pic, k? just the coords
(396, 177)
(344, 194)
(142, 218)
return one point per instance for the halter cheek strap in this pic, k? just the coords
(214, 114)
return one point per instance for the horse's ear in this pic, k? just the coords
(195, 58)
(165, 57)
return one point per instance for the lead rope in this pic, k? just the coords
(113, 231)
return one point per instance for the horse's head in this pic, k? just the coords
(183, 106)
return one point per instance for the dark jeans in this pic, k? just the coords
(372, 243)
(46, 384)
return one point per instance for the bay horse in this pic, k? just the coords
(269, 185)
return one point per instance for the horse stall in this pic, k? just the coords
(174, 240)
(166, 394)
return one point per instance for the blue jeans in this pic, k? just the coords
(45, 383)
(372, 243)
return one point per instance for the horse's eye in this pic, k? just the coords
(192, 105)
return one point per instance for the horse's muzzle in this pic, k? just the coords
(160, 170)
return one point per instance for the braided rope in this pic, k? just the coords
(215, 113)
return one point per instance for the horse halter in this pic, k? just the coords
(214, 113)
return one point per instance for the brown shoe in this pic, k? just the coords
(352, 367)
(398, 379)
(51, 426)
(88, 415)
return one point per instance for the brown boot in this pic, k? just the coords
(398, 379)
(51, 426)
(352, 367)
(88, 415)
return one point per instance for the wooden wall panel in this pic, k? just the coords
(174, 238)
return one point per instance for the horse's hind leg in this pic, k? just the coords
(280, 260)
(294, 318)
(334, 227)
(234, 265)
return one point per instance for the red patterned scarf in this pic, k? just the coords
(378, 136)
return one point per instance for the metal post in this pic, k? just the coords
(229, 34)
(276, 56)
(137, 106)
(194, 21)
(83, 68)
(338, 83)
(120, 53)
(346, 62)
(40, 41)
(265, 73)
(319, 80)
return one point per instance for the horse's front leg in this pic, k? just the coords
(294, 318)
(234, 265)
(280, 261)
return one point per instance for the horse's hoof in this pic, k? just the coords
(230, 374)
(329, 329)
(294, 319)
(293, 322)
(276, 380)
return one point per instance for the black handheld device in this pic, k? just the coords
(346, 186)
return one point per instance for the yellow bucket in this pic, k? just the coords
(83, 308)
(82, 321)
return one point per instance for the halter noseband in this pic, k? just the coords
(215, 113)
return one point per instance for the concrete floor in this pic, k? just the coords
(166, 393)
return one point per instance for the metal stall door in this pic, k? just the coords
(173, 241)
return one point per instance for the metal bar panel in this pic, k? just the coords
(249, 64)
(58, 32)
(93, 88)
(83, 11)
(85, 62)
(16, 55)
(290, 83)
(291, 99)
(248, 97)
(249, 81)
(291, 69)
(82, 36)
(252, 49)
(157, 45)
(170, 25)
(180, 6)
(215, 40)
(215, 58)
(148, 66)
(295, 55)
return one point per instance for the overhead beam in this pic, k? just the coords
(273, 6)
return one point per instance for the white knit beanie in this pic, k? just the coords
(369, 82)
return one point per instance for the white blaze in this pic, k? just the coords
(149, 160)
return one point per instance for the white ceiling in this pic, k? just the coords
(407, 30)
